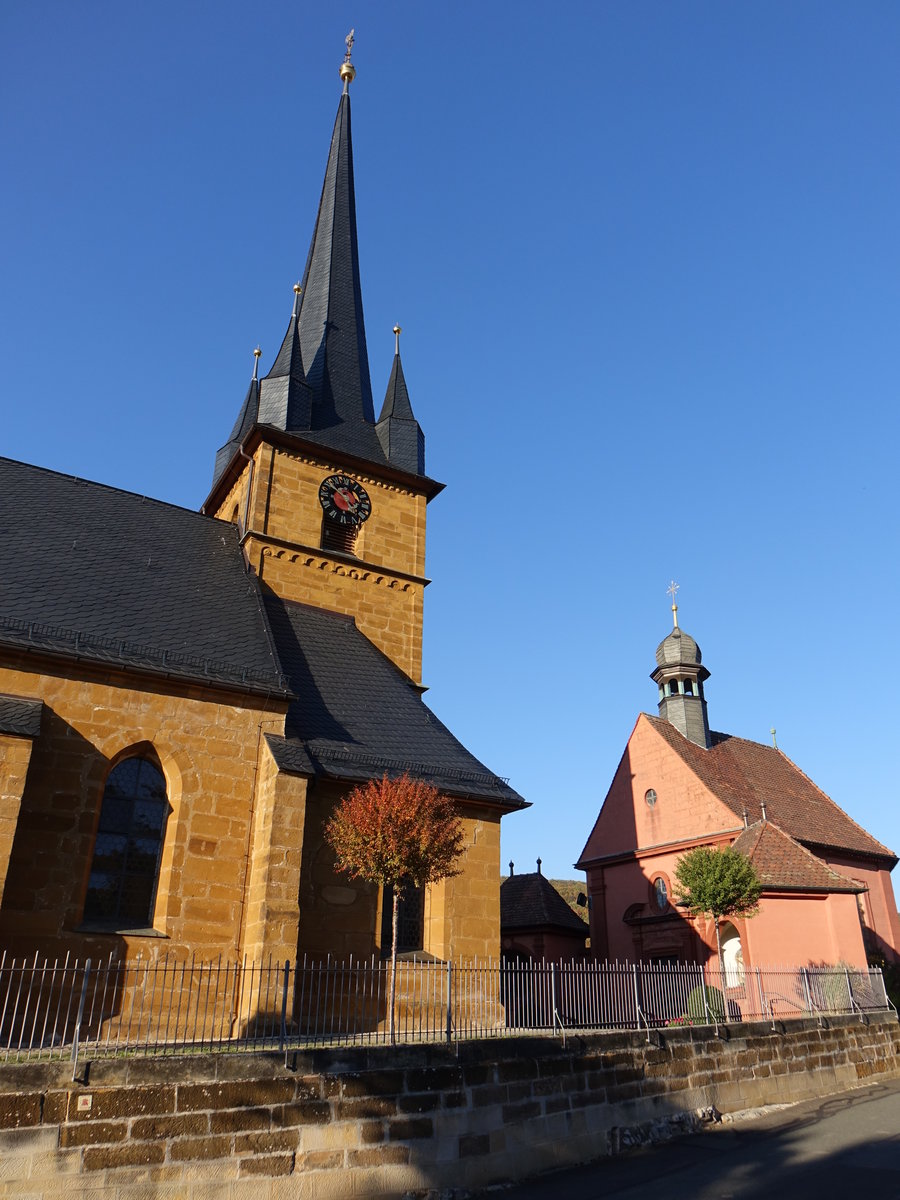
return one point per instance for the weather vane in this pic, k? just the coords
(672, 589)
(348, 71)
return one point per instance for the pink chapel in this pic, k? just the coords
(827, 894)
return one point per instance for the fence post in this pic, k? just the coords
(809, 1003)
(637, 1000)
(449, 1001)
(284, 992)
(556, 1018)
(850, 1001)
(759, 988)
(75, 1035)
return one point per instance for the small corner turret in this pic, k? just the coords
(680, 676)
(400, 434)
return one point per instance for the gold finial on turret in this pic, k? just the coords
(256, 355)
(671, 590)
(297, 291)
(348, 71)
(397, 332)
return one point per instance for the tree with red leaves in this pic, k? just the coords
(396, 832)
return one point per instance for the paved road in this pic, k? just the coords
(844, 1147)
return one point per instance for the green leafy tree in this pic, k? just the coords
(396, 833)
(717, 884)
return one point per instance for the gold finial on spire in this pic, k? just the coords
(348, 71)
(297, 290)
(256, 355)
(671, 590)
(397, 332)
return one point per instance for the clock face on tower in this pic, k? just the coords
(345, 501)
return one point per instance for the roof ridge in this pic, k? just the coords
(108, 487)
(657, 722)
(825, 796)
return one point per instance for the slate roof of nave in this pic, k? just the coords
(745, 774)
(108, 576)
(358, 716)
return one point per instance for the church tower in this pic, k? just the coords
(680, 676)
(331, 503)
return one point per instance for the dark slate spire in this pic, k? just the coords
(246, 419)
(319, 386)
(402, 440)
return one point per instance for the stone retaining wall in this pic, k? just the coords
(381, 1121)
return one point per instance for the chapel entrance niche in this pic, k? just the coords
(733, 956)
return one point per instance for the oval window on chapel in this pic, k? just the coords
(122, 885)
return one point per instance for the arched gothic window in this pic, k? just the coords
(410, 919)
(122, 885)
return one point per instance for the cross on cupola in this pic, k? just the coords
(672, 590)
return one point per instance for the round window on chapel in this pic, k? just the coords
(650, 797)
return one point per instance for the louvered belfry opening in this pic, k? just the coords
(341, 538)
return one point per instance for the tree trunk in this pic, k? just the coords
(395, 921)
(721, 957)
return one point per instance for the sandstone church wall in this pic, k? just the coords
(207, 744)
(382, 1121)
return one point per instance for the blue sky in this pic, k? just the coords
(645, 257)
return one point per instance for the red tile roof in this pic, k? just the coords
(784, 865)
(744, 775)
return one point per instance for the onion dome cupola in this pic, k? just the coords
(680, 676)
(398, 430)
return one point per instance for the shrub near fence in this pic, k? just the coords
(64, 1009)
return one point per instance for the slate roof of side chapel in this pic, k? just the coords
(357, 716)
(782, 864)
(531, 900)
(94, 573)
(744, 774)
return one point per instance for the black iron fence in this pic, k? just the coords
(66, 1008)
